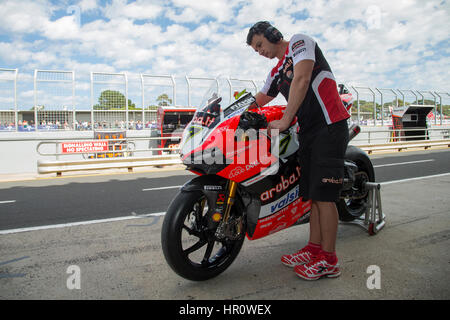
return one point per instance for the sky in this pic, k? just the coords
(402, 44)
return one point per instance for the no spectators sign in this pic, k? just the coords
(84, 146)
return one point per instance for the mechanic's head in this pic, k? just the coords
(263, 37)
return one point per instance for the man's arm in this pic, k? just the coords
(297, 92)
(261, 100)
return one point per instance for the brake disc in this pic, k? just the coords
(358, 190)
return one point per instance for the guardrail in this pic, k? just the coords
(395, 135)
(399, 146)
(114, 158)
(127, 158)
(59, 167)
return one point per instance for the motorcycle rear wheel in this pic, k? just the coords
(351, 209)
(189, 247)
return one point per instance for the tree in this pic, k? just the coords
(164, 100)
(112, 100)
(132, 106)
(39, 108)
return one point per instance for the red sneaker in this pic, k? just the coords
(317, 268)
(301, 257)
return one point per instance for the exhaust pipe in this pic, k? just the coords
(353, 131)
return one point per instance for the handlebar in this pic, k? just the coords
(256, 120)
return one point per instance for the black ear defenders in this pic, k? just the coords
(273, 35)
(270, 33)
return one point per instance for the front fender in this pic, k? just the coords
(214, 189)
(205, 183)
(211, 186)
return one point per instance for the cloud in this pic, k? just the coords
(192, 11)
(370, 43)
(88, 5)
(134, 10)
(65, 28)
(21, 16)
(14, 52)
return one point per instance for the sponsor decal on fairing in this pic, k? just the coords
(281, 203)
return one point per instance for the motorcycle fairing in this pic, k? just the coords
(268, 187)
(212, 147)
(280, 203)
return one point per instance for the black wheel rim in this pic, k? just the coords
(356, 207)
(199, 245)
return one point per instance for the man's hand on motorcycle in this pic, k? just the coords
(277, 126)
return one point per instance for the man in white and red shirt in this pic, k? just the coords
(303, 76)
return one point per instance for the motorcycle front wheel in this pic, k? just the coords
(189, 245)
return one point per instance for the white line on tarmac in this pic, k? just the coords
(157, 214)
(7, 201)
(81, 223)
(162, 188)
(401, 163)
(416, 178)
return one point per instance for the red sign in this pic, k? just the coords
(84, 146)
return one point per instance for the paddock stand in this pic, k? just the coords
(374, 218)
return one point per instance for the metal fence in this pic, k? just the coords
(54, 99)
(8, 98)
(110, 109)
(383, 100)
(56, 103)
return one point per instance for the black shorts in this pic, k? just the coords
(321, 157)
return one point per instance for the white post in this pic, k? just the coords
(142, 99)
(188, 90)
(92, 97)
(357, 100)
(382, 113)
(174, 90)
(126, 103)
(35, 103)
(16, 112)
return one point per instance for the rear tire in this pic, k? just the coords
(351, 209)
(184, 218)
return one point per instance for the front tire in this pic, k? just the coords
(190, 248)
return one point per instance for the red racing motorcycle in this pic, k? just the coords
(247, 186)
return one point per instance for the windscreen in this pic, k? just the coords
(211, 113)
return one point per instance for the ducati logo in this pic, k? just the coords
(236, 172)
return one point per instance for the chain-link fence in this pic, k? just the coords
(54, 100)
(109, 101)
(156, 91)
(8, 100)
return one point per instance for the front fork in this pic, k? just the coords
(231, 194)
(230, 227)
(231, 190)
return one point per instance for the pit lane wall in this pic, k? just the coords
(18, 150)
